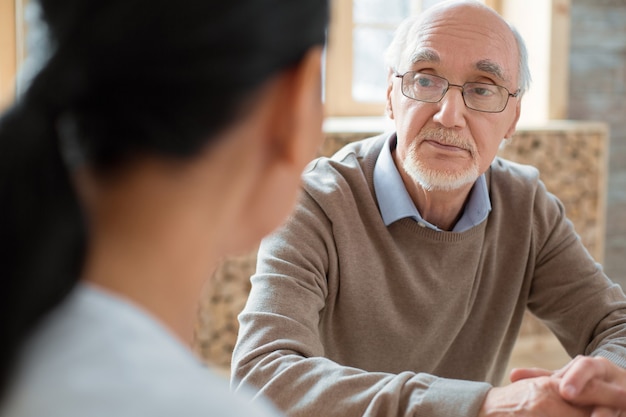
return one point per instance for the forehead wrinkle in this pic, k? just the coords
(484, 65)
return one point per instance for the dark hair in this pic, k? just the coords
(122, 78)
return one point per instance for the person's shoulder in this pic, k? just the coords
(509, 170)
(194, 392)
(513, 178)
(98, 355)
(520, 188)
(154, 394)
(345, 176)
(349, 155)
(513, 184)
(364, 148)
(353, 163)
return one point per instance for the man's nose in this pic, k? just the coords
(451, 112)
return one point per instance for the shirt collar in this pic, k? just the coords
(395, 203)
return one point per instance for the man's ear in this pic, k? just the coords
(513, 126)
(388, 106)
(297, 113)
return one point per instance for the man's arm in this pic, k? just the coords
(280, 351)
(570, 292)
(538, 396)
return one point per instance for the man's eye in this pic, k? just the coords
(424, 82)
(482, 91)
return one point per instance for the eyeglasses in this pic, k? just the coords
(488, 98)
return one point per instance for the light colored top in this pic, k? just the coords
(99, 355)
(395, 202)
(348, 317)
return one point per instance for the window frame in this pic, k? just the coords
(339, 101)
(12, 48)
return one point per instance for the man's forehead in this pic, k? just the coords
(430, 55)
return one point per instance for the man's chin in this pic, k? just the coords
(441, 175)
(444, 181)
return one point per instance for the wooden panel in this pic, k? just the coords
(339, 62)
(8, 52)
(495, 4)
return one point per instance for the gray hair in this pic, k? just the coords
(396, 55)
(524, 77)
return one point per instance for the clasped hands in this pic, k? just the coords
(585, 387)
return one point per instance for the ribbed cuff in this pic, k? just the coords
(455, 398)
(618, 360)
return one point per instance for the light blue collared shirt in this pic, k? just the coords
(395, 203)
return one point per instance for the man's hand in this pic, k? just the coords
(587, 381)
(530, 397)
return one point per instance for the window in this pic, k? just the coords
(360, 30)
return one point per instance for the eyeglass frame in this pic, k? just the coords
(462, 87)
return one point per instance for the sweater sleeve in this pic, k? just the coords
(280, 351)
(570, 292)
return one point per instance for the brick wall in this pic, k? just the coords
(598, 92)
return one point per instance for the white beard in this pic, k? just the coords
(440, 180)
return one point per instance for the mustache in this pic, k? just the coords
(447, 137)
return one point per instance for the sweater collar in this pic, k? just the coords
(395, 203)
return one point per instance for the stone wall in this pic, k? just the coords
(571, 157)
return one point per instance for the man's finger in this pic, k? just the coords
(600, 393)
(580, 372)
(518, 374)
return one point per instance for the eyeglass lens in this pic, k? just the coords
(431, 88)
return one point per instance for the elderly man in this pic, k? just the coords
(399, 285)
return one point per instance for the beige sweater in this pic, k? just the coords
(348, 317)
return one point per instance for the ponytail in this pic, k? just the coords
(41, 227)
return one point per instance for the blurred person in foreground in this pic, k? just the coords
(399, 285)
(156, 138)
